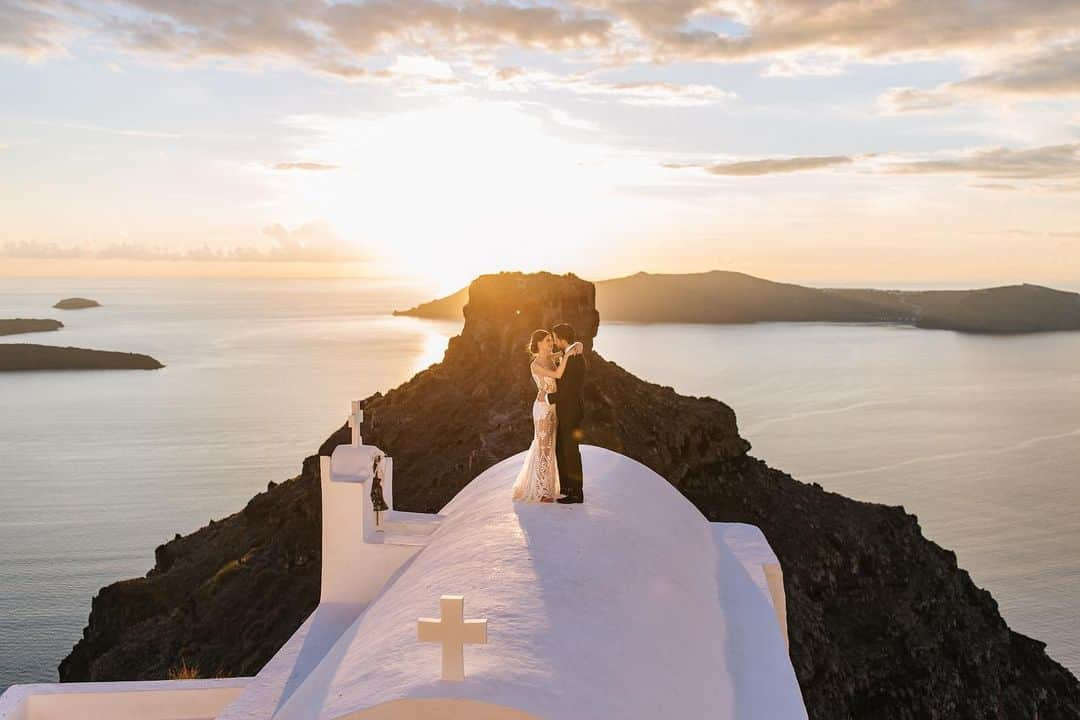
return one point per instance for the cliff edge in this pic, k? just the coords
(882, 622)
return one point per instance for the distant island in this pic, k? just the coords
(24, 356)
(15, 326)
(76, 303)
(724, 297)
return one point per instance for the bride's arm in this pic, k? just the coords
(546, 372)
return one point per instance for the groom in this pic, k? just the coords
(569, 399)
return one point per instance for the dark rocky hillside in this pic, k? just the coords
(720, 297)
(883, 624)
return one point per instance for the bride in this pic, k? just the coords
(538, 480)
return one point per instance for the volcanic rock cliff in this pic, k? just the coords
(882, 622)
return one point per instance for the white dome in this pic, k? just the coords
(619, 608)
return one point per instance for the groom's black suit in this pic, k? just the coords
(569, 399)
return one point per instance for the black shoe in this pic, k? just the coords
(570, 500)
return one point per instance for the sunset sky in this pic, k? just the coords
(900, 142)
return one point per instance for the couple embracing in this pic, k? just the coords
(553, 464)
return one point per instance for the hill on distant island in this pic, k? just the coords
(15, 326)
(882, 621)
(76, 303)
(723, 297)
(26, 356)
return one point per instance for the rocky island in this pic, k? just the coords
(882, 622)
(16, 326)
(721, 297)
(25, 356)
(76, 303)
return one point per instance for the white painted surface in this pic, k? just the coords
(751, 548)
(155, 700)
(290, 666)
(440, 709)
(356, 419)
(629, 606)
(356, 561)
(624, 607)
(453, 632)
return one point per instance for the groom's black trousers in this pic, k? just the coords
(568, 456)
(570, 406)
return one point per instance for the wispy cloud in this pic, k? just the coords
(589, 86)
(767, 166)
(314, 242)
(125, 132)
(1001, 163)
(993, 186)
(1053, 71)
(303, 165)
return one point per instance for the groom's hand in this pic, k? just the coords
(552, 397)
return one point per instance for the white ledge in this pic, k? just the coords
(147, 700)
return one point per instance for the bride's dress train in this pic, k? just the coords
(539, 476)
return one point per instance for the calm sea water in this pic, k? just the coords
(978, 436)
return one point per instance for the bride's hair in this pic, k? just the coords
(535, 340)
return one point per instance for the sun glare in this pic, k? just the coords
(446, 193)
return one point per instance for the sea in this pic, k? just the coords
(978, 436)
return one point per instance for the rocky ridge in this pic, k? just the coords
(882, 622)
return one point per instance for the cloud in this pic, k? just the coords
(806, 66)
(345, 38)
(313, 242)
(638, 92)
(126, 132)
(340, 38)
(869, 29)
(1053, 71)
(367, 27)
(1049, 162)
(302, 165)
(33, 28)
(768, 166)
(993, 186)
(651, 93)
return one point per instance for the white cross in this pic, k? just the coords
(453, 631)
(356, 419)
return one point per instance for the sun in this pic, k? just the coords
(449, 191)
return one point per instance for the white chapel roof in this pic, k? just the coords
(625, 607)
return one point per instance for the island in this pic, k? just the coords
(25, 356)
(724, 297)
(76, 303)
(15, 326)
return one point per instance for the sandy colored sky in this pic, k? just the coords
(825, 142)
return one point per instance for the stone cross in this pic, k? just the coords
(453, 631)
(356, 419)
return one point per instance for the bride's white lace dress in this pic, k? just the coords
(539, 476)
